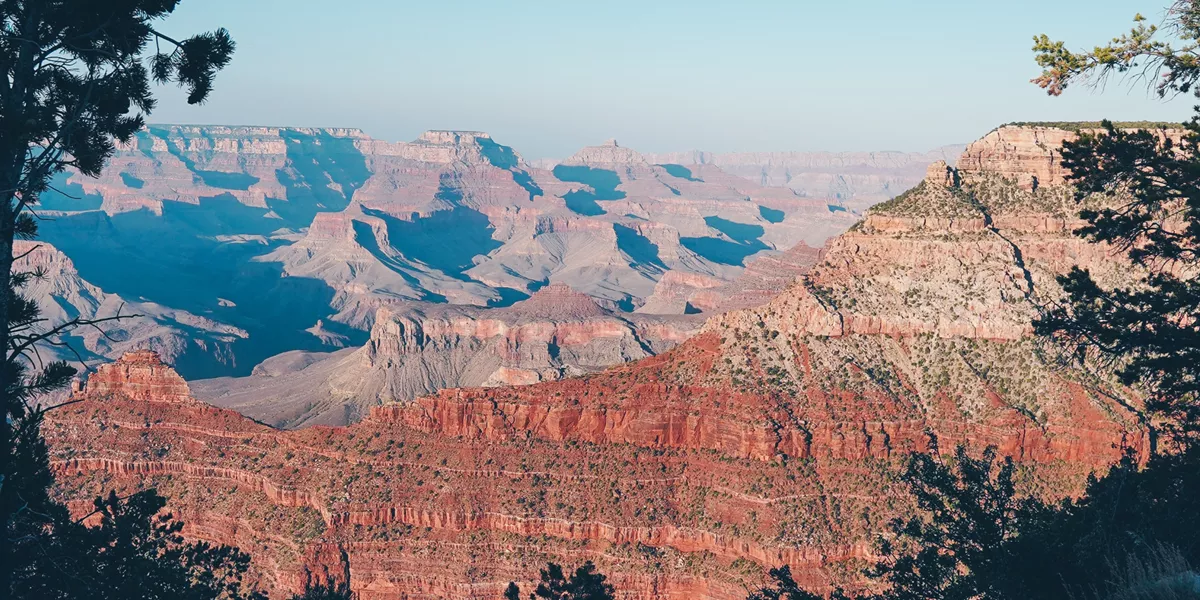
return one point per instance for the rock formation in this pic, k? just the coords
(140, 375)
(273, 230)
(762, 280)
(62, 295)
(773, 437)
(419, 349)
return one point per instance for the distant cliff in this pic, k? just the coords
(274, 230)
(181, 337)
(854, 180)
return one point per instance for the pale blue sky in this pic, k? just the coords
(550, 76)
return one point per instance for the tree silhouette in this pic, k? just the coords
(1149, 332)
(955, 546)
(77, 76)
(784, 588)
(512, 592)
(1132, 534)
(331, 591)
(1164, 56)
(584, 584)
(135, 552)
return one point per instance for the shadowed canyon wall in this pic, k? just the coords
(294, 238)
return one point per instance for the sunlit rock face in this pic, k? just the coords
(774, 436)
(1028, 156)
(273, 230)
(138, 375)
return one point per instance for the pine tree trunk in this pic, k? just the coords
(7, 446)
(13, 148)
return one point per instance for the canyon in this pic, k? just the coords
(772, 435)
(293, 239)
(416, 349)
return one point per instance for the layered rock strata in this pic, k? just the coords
(141, 376)
(773, 437)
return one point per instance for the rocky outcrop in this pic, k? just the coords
(764, 278)
(1030, 155)
(683, 293)
(609, 154)
(1024, 154)
(420, 349)
(139, 375)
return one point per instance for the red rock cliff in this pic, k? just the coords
(139, 375)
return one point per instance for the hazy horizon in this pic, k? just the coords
(763, 76)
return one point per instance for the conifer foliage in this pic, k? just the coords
(584, 584)
(76, 81)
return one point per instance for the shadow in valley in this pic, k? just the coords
(603, 182)
(447, 240)
(744, 240)
(192, 258)
(132, 182)
(365, 236)
(679, 172)
(503, 157)
(771, 215)
(509, 296)
(315, 161)
(67, 196)
(203, 258)
(639, 248)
